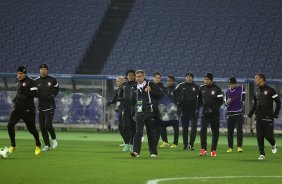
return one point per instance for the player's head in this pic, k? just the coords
(21, 72)
(130, 75)
(170, 80)
(260, 79)
(157, 77)
(119, 81)
(43, 70)
(232, 82)
(208, 79)
(140, 76)
(189, 77)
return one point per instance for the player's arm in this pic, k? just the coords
(56, 88)
(32, 90)
(155, 90)
(219, 100)
(277, 100)
(200, 100)
(115, 98)
(250, 114)
(243, 95)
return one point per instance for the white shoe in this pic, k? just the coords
(261, 157)
(142, 140)
(46, 148)
(55, 144)
(121, 145)
(274, 149)
(153, 155)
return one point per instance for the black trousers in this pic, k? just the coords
(129, 127)
(161, 131)
(46, 125)
(213, 120)
(232, 121)
(151, 128)
(264, 130)
(28, 116)
(185, 126)
(120, 125)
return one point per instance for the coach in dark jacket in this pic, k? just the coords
(144, 98)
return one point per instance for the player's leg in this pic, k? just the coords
(176, 133)
(268, 134)
(215, 132)
(203, 134)
(151, 133)
(29, 119)
(14, 118)
(42, 116)
(50, 128)
(260, 136)
(239, 122)
(137, 138)
(185, 126)
(193, 131)
(230, 132)
(132, 129)
(120, 126)
(126, 130)
(163, 134)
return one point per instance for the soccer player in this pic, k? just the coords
(129, 125)
(161, 130)
(211, 98)
(24, 109)
(186, 94)
(48, 88)
(235, 96)
(264, 96)
(116, 101)
(170, 89)
(144, 99)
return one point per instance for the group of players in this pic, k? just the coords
(136, 102)
(45, 88)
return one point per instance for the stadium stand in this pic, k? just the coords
(228, 38)
(54, 32)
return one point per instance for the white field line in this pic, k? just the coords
(156, 181)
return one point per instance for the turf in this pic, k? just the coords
(96, 158)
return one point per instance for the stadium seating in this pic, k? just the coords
(229, 37)
(5, 105)
(54, 32)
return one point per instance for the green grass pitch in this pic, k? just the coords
(85, 157)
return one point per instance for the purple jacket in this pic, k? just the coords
(237, 96)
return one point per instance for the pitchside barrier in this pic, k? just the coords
(81, 102)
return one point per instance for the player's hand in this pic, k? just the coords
(148, 88)
(228, 101)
